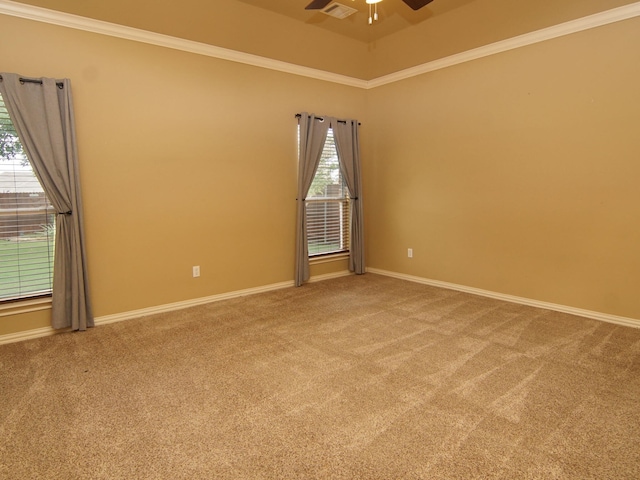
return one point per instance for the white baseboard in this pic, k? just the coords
(605, 317)
(169, 307)
(119, 317)
(29, 334)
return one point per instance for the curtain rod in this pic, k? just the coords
(298, 115)
(39, 82)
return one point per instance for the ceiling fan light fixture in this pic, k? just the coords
(373, 12)
(331, 7)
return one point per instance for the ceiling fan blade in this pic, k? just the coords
(317, 4)
(417, 4)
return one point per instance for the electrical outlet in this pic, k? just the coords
(196, 271)
(410, 252)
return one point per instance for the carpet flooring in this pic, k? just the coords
(360, 377)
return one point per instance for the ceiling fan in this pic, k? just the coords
(321, 4)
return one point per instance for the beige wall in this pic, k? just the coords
(517, 173)
(468, 24)
(215, 22)
(443, 28)
(184, 160)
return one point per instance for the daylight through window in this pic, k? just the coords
(27, 222)
(327, 205)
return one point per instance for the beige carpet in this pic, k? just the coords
(362, 377)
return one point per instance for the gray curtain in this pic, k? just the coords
(42, 113)
(345, 134)
(313, 133)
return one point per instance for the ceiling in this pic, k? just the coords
(283, 30)
(394, 15)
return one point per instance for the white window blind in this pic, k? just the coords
(27, 222)
(327, 205)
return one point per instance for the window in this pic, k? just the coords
(27, 222)
(327, 205)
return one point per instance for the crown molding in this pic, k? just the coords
(100, 27)
(574, 26)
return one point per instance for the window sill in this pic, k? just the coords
(25, 306)
(328, 258)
